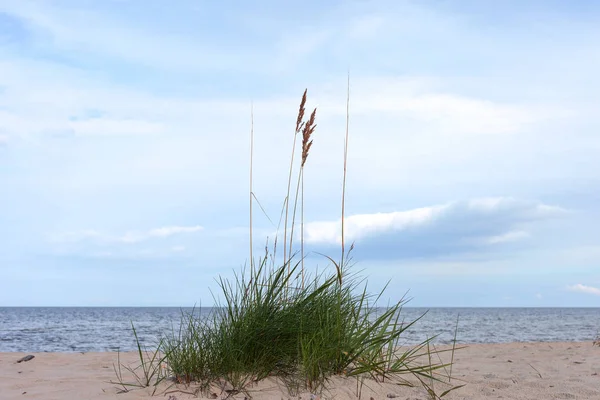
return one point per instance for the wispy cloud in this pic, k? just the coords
(584, 289)
(137, 236)
(173, 230)
(456, 114)
(133, 236)
(82, 32)
(104, 126)
(508, 237)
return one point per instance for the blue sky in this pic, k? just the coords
(473, 156)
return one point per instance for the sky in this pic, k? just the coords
(473, 151)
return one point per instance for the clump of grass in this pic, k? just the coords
(596, 341)
(149, 373)
(301, 336)
(279, 321)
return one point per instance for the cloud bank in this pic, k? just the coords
(455, 227)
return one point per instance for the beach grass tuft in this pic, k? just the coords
(278, 321)
(150, 372)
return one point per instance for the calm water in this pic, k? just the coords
(39, 329)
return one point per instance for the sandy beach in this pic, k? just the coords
(568, 370)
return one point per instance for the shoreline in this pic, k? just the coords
(518, 370)
(589, 341)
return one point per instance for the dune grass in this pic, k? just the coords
(301, 336)
(279, 321)
(150, 372)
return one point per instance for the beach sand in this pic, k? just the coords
(490, 371)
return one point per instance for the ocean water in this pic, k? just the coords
(81, 329)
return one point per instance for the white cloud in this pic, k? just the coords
(584, 289)
(173, 230)
(411, 104)
(456, 114)
(367, 26)
(77, 236)
(485, 216)
(134, 236)
(358, 226)
(104, 126)
(88, 31)
(589, 254)
(138, 236)
(508, 237)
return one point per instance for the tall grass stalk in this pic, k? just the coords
(345, 167)
(251, 171)
(308, 129)
(302, 228)
(299, 125)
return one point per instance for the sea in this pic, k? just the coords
(87, 329)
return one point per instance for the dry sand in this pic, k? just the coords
(490, 371)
